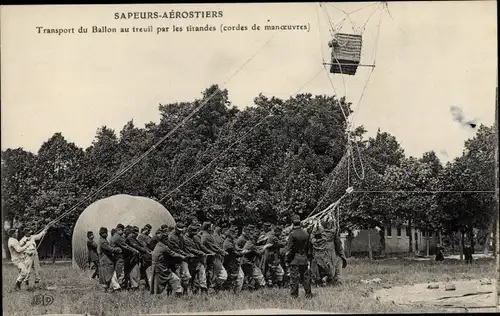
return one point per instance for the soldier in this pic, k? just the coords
(240, 244)
(323, 263)
(252, 255)
(176, 244)
(118, 240)
(199, 243)
(155, 239)
(132, 267)
(298, 256)
(162, 274)
(107, 261)
(93, 259)
(232, 260)
(266, 232)
(218, 274)
(32, 260)
(18, 257)
(196, 264)
(144, 237)
(217, 236)
(341, 262)
(272, 257)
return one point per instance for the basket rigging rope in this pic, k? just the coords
(350, 125)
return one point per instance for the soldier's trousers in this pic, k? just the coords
(120, 272)
(338, 269)
(22, 269)
(33, 266)
(276, 273)
(94, 265)
(300, 274)
(198, 273)
(133, 275)
(182, 270)
(252, 271)
(236, 277)
(218, 274)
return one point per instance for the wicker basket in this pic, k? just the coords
(346, 53)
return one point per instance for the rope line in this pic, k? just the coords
(353, 25)
(231, 146)
(134, 162)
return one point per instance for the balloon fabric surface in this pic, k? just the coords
(111, 211)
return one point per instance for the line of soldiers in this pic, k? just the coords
(204, 257)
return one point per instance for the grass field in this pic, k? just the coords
(77, 294)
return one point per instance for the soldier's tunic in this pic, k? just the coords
(299, 251)
(272, 260)
(232, 264)
(161, 274)
(219, 275)
(93, 257)
(197, 263)
(145, 263)
(107, 260)
(324, 260)
(252, 260)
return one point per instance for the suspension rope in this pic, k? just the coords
(245, 135)
(350, 125)
(137, 160)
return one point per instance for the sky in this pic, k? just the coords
(429, 57)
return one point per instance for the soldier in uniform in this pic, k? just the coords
(298, 256)
(93, 256)
(162, 274)
(232, 260)
(133, 271)
(341, 262)
(253, 256)
(272, 257)
(217, 272)
(197, 263)
(176, 244)
(107, 261)
(118, 240)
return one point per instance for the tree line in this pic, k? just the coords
(294, 159)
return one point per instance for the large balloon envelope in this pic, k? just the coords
(111, 211)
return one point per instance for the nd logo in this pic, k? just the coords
(42, 299)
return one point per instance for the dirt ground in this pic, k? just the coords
(468, 296)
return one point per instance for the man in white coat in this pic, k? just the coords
(32, 261)
(18, 257)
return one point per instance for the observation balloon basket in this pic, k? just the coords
(346, 53)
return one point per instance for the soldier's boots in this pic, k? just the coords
(18, 286)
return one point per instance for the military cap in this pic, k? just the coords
(193, 228)
(164, 226)
(103, 230)
(180, 225)
(296, 220)
(148, 226)
(120, 226)
(206, 225)
(135, 229)
(267, 225)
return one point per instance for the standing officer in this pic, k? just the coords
(298, 256)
